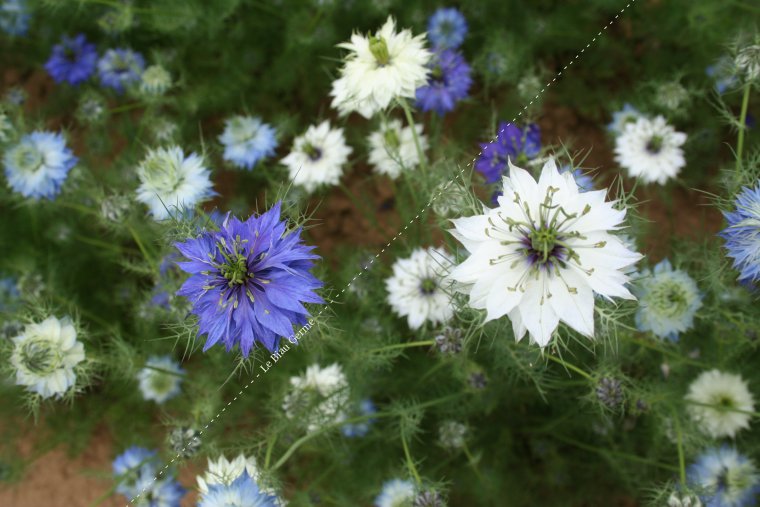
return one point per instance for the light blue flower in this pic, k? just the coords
(160, 379)
(14, 17)
(38, 165)
(447, 28)
(584, 181)
(136, 471)
(743, 235)
(243, 492)
(359, 429)
(247, 140)
(723, 73)
(620, 118)
(396, 493)
(725, 478)
(668, 300)
(119, 68)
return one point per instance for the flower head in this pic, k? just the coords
(609, 391)
(317, 157)
(136, 471)
(449, 82)
(379, 69)
(723, 73)
(160, 379)
(155, 80)
(318, 397)
(119, 68)
(651, 150)
(540, 256)
(14, 17)
(247, 140)
(747, 61)
(584, 181)
(743, 235)
(171, 181)
(512, 143)
(451, 434)
(449, 341)
(668, 300)
(223, 471)
(359, 429)
(73, 60)
(396, 493)
(720, 402)
(418, 288)
(393, 150)
(447, 28)
(45, 357)
(620, 119)
(242, 492)
(38, 165)
(249, 281)
(725, 478)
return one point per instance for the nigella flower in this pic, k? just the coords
(451, 435)
(584, 181)
(610, 392)
(620, 119)
(359, 429)
(743, 235)
(668, 300)
(725, 478)
(223, 471)
(512, 143)
(242, 492)
(448, 83)
(119, 68)
(396, 493)
(14, 17)
(38, 165)
(318, 397)
(155, 80)
(723, 73)
(317, 157)
(447, 28)
(247, 140)
(136, 474)
(73, 60)
(540, 256)
(720, 403)
(249, 281)
(393, 149)
(747, 61)
(160, 379)
(651, 150)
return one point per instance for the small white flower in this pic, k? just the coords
(392, 148)
(451, 434)
(170, 182)
(720, 403)
(380, 68)
(155, 80)
(160, 379)
(677, 499)
(45, 356)
(396, 493)
(651, 150)
(540, 256)
(223, 471)
(418, 288)
(748, 61)
(319, 396)
(317, 157)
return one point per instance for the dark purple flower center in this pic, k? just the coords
(654, 145)
(543, 247)
(312, 152)
(428, 286)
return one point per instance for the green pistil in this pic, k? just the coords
(235, 267)
(28, 158)
(38, 358)
(428, 286)
(311, 151)
(669, 298)
(654, 145)
(379, 50)
(437, 73)
(543, 241)
(391, 139)
(161, 382)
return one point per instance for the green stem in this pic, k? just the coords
(471, 459)
(679, 442)
(569, 366)
(417, 145)
(125, 107)
(140, 244)
(425, 343)
(630, 457)
(651, 346)
(270, 448)
(742, 128)
(410, 461)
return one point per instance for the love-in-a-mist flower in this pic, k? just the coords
(747, 61)
(396, 493)
(725, 478)
(723, 74)
(318, 397)
(448, 83)
(119, 68)
(359, 429)
(650, 149)
(155, 80)
(14, 17)
(584, 180)
(379, 69)
(540, 256)
(721, 403)
(743, 234)
(419, 288)
(224, 471)
(393, 150)
(249, 281)
(46, 355)
(683, 499)
(668, 301)
(160, 379)
(242, 492)
(447, 28)
(247, 140)
(628, 114)
(171, 182)
(72, 61)
(512, 143)
(38, 164)
(136, 474)
(317, 157)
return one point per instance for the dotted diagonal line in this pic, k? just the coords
(308, 327)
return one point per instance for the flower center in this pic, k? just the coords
(161, 382)
(391, 139)
(654, 145)
(543, 248)
(69, 53)
(669, 298)
(312, 152)
(379, 49)
(38, 358)
(446, 28)
(437, 73)
(428, 286)
(28, 158)
(235, 267)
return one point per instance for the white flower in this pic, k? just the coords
(748, 61)
(223, 471)
(319, 396)
(540, 256)
(650, 149)
(45, 356)
(160, 379)
(720, 402)
(392, 148)
(396, 493)
(379, 69)
(418, 288)
(155, 80)
(317, 157)
(678, 499)
(170, 182)
(451, 434)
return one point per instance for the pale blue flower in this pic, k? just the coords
(247, 140)
(38, 164)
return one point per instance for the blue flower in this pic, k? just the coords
(584, 181)
(743, 235)
(396, 493)
(359, 429)
(14, 17)
(512, 142)
(447, 28)
(243, 492)
(73, 60)
(723, 73)
(119, 68)
(38, 165)
(725, 478)
(449, 82)
(136, 472)
(620, 118)
(249, 281)
(668, 300)
(247, 140)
